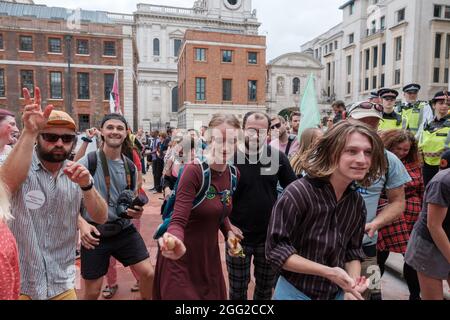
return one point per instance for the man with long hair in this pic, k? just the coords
(316, 229)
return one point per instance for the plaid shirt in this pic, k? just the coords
(394, 237)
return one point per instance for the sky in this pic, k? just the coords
(287, 24)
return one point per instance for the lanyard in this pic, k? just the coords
(106, 172)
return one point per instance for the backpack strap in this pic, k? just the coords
(92, 162)
(233, 177)
(206, 183)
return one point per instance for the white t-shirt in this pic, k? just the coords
(4, 154)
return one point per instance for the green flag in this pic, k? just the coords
(309, 108)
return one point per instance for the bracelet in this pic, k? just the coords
(86, 139)
(89, 186)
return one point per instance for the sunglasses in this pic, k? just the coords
(368, 106)
(51, 137)
(278, 125)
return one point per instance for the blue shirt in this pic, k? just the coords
(396, 177)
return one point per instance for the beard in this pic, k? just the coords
(55, 155)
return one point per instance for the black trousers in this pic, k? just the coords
(410, 275)
(428, 173)
(157, 168)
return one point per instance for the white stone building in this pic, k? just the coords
(287, 77)
(384, 43)
(159, 34)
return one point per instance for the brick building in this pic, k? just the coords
(71, 55)
(220, 73)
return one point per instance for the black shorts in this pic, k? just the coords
(127, 247)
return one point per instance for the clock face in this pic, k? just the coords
(232, 4)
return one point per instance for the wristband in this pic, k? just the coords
(86, 139)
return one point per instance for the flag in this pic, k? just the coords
(309, 108)
(114, 96)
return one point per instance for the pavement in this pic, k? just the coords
(393, 285)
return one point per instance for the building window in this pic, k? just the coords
(349, 87)
(200, 89)
(382, 80)
(227, 56)
(227, 90)
(175, 100)
(349, 65)
(447, 47)
(56, 85)
(436, 75)
(54, 45)
(26, 43)
(108, 82)
(366, 84)
(82, 46)
(397, 77)
(156, 47)
(382, 23)
(437, 46)
(437, 11)
(447, 12)
(84, 122)
(383, 54)
(375, 56)
(373, 27)
(27, 81)
(252, 90)
(398, 48)
(351, 8)
(83, 85)
(200, 54)
(351, 38)
(2, 83)
(109, 48)
(331, 47)
(1, 41)
(336, 45)
(295, 86)
(252, 57)
(374, 82)
(176, 47)
(329, 71)
(446, 75)
(367, 56)
(400, 15)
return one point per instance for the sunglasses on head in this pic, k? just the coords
(368, 106)
(51, 137)
(278, 125)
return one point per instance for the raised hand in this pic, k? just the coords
(91, 133)
(34, 119)
(78, 174)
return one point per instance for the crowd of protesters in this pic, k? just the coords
(317, 211)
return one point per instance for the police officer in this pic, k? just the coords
(417, 112)
(391, 119)
(374, 97)
(436, 136)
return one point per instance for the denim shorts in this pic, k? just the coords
(424, 257)
(284, 290)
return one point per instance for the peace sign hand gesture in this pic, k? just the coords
(34, 118)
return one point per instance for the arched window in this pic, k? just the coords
(156, 47)
(296, 86)
(175, 99)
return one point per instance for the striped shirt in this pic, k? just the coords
(45, 227)
(308, 221)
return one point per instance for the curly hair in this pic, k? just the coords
(392, 138)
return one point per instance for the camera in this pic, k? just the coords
(127, 200)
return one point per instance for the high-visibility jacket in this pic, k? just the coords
(393, 121)
(435, 141)
(414, 113)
